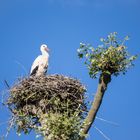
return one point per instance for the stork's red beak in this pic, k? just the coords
(47, 49)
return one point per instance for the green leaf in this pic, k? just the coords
(126, 38)
(80, 55)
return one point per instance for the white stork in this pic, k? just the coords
(40, 64)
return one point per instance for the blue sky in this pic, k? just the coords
(62, 25)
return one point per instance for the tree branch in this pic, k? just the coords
(102, 86)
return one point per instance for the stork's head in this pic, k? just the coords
(44, 48)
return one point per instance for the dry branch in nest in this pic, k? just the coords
(34, 97)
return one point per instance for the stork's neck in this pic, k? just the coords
(44, 53)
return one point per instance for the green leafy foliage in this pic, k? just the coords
(111, 57)
(56, 126)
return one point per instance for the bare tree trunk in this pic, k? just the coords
(102, 86)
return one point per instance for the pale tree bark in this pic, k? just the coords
(102, 86)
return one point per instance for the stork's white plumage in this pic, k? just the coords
(40, 64)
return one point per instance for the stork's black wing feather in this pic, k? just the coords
(46, 69)
(34, 71)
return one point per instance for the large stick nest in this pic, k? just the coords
(33, 96)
